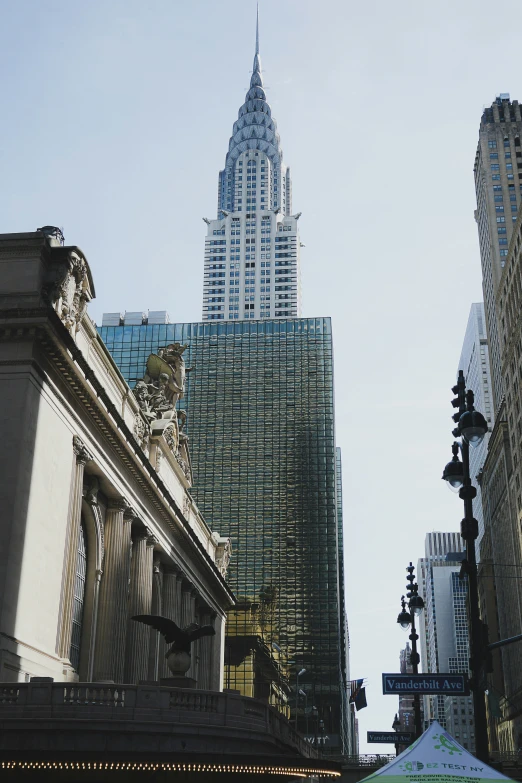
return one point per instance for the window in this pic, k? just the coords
(79, 594)
(495, 167)
(493, 155)
(492, 144)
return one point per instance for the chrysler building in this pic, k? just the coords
(252, 248)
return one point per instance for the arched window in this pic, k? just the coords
(79, 593)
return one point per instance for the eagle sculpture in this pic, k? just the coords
(178, 655)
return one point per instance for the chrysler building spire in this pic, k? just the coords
(254, 214)
(257, 60)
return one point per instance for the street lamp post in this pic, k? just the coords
(405, 619)
(396, 726)
(471, 429)
(297, 675)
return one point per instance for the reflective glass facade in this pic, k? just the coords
(261, 426)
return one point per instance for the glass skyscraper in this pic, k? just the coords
(260, 411)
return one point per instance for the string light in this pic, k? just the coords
(301, 772)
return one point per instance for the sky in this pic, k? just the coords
(116, 119)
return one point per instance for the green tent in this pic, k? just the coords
(435, 758)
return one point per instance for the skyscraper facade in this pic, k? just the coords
(252, 247)
(474, 361)
(443, 631)
(261, 424)
(498, 180)
(502, 500)
(498, 185)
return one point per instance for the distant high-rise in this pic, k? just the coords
(498, 183)
(252, 248)
(474, 361)
(443, 631)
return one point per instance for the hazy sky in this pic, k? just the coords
(116, 119)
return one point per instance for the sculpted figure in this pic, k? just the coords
(161, 399)
(173, 356)
(178, 656)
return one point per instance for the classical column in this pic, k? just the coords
(187, 603)
(194, 666)
(179, 599)
(218, 653)
(140, 601)
(170, 604)
(82, 456)
(205, 652)
(114, 587)
(156, 608)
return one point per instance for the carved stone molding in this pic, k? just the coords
(91, 490)
(68, 288)
(119, 504)
(141, 431)
(151, 538)
(83, 455)
(223, 553)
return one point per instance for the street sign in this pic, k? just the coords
(390, 737)
(425, 684)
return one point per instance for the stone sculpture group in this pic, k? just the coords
(157, 394)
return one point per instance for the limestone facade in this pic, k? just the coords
(502, 488)
(97, 521)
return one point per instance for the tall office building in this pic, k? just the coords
(252, 248)
(474, 361)
(498, 184)
(261, 426)
(498, 179)
(443, 631)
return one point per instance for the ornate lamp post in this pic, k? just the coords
(405, 620)
(396, 726)
(471, 429)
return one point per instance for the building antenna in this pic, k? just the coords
(257, 29)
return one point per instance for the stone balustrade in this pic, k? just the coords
(207, 720)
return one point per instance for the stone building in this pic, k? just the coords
(97, 525)
(498, 184)
(502, 489)
(97, 521)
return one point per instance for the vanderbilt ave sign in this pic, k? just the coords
(425, 684)
(390, 737)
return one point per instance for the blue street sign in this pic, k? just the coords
(425, 684)
(390, 737)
